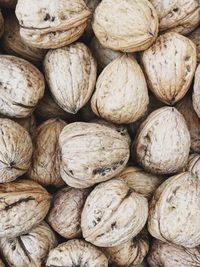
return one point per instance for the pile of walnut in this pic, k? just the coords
(99, 133)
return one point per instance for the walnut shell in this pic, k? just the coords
(8, 3)
(1, 23)
(195, 37)
(113, 214)
(129, 99)
(23, 205)
(30, 249)
(65, 214)
(93, 143)
(71, 74)
(162, 143)
(127, 26)
(170, 65)
(76, 253)
(194, 165)
(196, 92)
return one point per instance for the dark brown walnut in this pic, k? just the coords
(76, 253)
(196, 91)
(1, 24)
(162, 143)
(30, 249)
(194, 165)
(175, 211)
(195, 37)
(65, 214)
(94, 144)
(8, 3)
(23, 205)
(168, 255)
(113, 214)
(45, 166)
(170, 65)
(71, 75)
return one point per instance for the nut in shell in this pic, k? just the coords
(196, 91)
(195, 37)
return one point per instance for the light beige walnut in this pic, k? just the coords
(195, 37)
(76, 253)
(121, 94)
(45, 167)
(125, 25)
(170, 65)
(1, 24)
(175, 211)
(194, 165)
(92, 153)
(23, 205)
(8, 3)
(71, 75)
(65, 214)
(196, 91)
(30, 249)
(113, 214)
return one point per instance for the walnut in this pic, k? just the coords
(195, 37)
(8, 3)
(28, 123)
(30, 249)
(1, 23)
(65, 214)
(71, 74)
(196, 92)
(76, 253)
(93, 143)
(162, 143)
(194, 165)
(104, 221)
(23, 205)
(170, 65)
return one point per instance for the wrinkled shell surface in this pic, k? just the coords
(93, 144)
(194, 165)
(170, 65)
(196, 92)
(162, 143)
(195, 37)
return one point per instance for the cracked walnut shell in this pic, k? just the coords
(196, 91)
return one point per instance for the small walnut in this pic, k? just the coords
(195, 37)
(121, 94)
(196, 92)
(194, 165)
(8, 3)
(30, 249)
(65, 214)
(113, 214)
(71, 74)
(162, 143)
(170, 65)
(76, 253)
(93, 143)
(1, 23)
(28, 123)
(125, 25)
(23, 205)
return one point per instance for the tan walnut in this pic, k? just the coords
(162, 143)
(195, 37)
(194, 165)
(127, 26)
(170, 65)
(30, 249)
(196, 91)
(175, 211)
(113, 214)
(121, 94)
(76, 253)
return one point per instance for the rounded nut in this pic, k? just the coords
(8, 3)
(175, 211)
(71, 74)
(76, 253)
(30, 249)
(194, 165)
(170, 65)
(23, 205)
(196, 91)
(125, 25)
(195, 37)
(93, 143)
(104, 222)
(129, 99)
(162, 143)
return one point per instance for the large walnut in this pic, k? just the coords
(195, 37)
(162, 143)
(113, 214)
(92, 153)
(170, 65)
(196, 92)
(29, 250)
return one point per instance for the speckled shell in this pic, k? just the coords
(1, 24)
(45, 167)
(76, 253)
(28, 123)
(181, 16)
(125, 25)
(162, 143)
(21, 84)
(121, 94)
(16, 150)
(23, 205)
(170, 65)
(71, 74)
(194, 165)
(8, 3)
(196, 91)
(94, 144)
(29, 250)
(65, 214)
(168, 255)
(195, 37)
(175, 211)
(113, 214)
